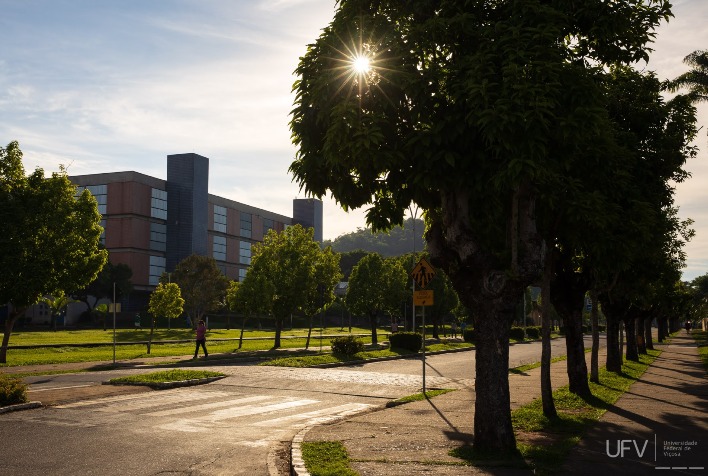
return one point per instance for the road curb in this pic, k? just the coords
(20, 406)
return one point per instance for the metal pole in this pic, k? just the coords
(423, 316)
(114, 323)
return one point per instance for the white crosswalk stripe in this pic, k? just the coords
(196, 410)
(317, 416)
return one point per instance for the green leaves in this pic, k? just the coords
(166, 301)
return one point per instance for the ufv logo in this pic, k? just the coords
(623, 446)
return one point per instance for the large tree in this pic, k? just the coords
(470, 110)
(285, 264)
(202, 283)
(49, 240)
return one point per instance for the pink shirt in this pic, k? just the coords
(201, 331)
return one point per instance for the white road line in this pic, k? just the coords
(59, 388)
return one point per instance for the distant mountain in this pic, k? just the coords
(398, 241)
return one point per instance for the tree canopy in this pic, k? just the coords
(202, 284)
(50, 237)
(478, 112)
(294, 273)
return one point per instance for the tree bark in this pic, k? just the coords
(614, 354)
(549, 407)
(243, 327)
(309, 333)
(647, 333)
(631, 332)
(594, 358)
(373, 320)
(9, 324)
(492, 423)
(575, 348)
(639, 329)
(278, 329)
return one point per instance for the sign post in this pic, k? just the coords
(422, 275)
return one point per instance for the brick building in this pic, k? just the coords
(152, 224)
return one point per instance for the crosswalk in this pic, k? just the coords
(197, 410)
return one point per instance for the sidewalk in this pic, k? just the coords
(659, 426)
(669, 401)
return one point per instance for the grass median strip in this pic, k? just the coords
(701, 338)
(330, 358)
(166, 376)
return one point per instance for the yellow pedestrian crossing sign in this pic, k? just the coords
(422, 274)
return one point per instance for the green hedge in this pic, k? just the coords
(516, 333)
(406, 340)
(533, 332)
(12, 390)
(347, 345)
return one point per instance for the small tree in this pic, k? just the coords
(166, 300)
(247, 298)
(320, 291)
(375, 286)
(57, 303)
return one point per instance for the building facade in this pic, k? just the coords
(152, 224)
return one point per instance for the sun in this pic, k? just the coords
(361, 64)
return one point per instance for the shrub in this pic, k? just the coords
(407, 340)
(347, 345)
(12, 390)
(516, 333)
(533, 332)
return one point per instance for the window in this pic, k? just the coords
(157, 267)
(158, 236)
(268, 224)
(219, 251)
(158, 204)
(220, 218)
(246, 224)
(100, 193)
(245, 253)
(242, 273)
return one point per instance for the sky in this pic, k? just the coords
(116, 85)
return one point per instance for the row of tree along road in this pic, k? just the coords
(538, 152)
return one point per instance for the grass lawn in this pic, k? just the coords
(176, 375)
(258, 341)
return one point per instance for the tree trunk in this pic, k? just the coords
(575, 348)
(373, 319)
(309, 333)
(493, 430)
(243, 327)
(631, 331)
(594, 359)
(639, 329)
(278, 329)
(549, 407)
(9, 324)
(614, 354)
(661, 328)
(647, 334)
(152, 331)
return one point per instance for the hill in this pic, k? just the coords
(398, 241)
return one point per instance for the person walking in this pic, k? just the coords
(687, 326)
(201, 339)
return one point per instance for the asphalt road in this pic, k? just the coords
(239, 425)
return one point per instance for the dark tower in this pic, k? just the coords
(187, 206)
